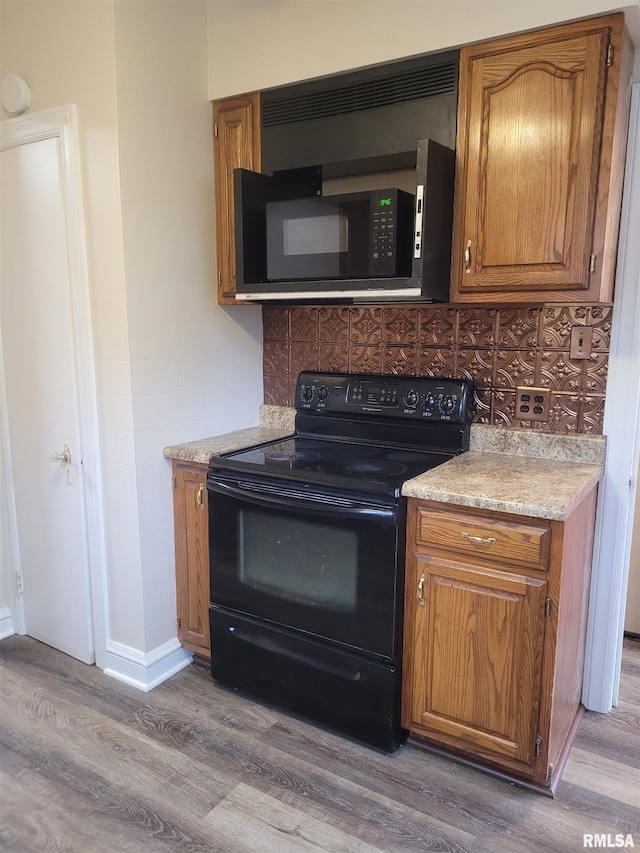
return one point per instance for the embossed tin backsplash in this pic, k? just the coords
(500, 348)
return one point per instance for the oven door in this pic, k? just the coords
(321, 562)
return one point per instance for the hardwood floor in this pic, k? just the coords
(90, 765)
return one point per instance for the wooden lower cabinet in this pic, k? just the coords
(495, 618)
(192, 555)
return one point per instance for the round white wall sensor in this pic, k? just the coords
(16, 94)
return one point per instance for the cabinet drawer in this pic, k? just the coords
(485, 538)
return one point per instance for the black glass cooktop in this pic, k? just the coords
(367, 467)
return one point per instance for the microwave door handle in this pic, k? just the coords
(301, 502)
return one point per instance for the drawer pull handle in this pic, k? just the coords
(421, 590)
(488, 541)
(199, 500)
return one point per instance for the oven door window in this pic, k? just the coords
(306, 562)
(319, 564)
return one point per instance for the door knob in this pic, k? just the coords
(63, 458)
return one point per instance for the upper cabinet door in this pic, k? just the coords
(536, 126)
(236, 145)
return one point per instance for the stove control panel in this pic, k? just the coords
(446, 400)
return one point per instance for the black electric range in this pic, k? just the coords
(364, 433)
(307, 543)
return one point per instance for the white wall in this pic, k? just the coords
(632, 614)
(172, 365)
(257, 44)
(196, 367)
(7, 594)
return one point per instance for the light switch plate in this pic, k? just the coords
(581, 341)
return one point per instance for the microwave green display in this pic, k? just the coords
(384, 201)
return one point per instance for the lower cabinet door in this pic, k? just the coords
(477, 657)
(192, 555)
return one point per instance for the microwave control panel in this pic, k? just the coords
(422, 398)
(391, 213)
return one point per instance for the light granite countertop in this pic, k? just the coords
(524, 485)
(275, 422)
(526, 472)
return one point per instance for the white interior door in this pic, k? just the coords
(42, 406)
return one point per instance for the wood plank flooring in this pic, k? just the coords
(91, 765)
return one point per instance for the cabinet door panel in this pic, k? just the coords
(535, 134)
(481, 633)
(192, 556)
(236, 145)
(535, 123)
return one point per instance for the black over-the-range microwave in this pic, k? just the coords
(295, 244)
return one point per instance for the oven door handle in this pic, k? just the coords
(274, 497)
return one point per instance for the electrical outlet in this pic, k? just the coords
(532, 404)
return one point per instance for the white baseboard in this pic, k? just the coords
(145, 671)
(7, 627)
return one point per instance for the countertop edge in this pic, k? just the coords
(549, 508)
(488, 442)
(202, 450)
(275, 422)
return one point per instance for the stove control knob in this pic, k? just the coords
(323, 393)
(431, 401)
(306, 393)
(447, 404)
(411, 399)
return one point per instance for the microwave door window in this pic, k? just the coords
(316, 239)
(315, 235)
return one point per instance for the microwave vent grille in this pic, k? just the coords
(397, 88)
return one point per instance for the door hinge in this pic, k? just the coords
(220, 278)
(179, 621)
(19, 583)
(547, 606)
(175, 482)
(538, 744)
(610, 56)
(592, 263)
(549, 772)
(215, 126)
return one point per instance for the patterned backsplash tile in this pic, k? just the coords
(500, 348)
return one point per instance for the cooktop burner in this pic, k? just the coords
(290, 456)
(373, 466)
(369, 467)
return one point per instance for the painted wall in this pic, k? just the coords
(257, 44)
(137, 72)
(196, 368)
(7, 625)
(632, 613)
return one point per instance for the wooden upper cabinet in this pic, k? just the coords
(542, 122)
(236, 144)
